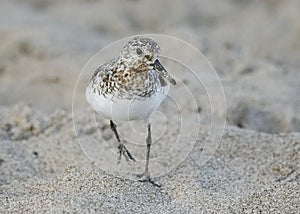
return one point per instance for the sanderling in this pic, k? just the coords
(130, 87)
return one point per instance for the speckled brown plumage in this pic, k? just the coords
(128, 76)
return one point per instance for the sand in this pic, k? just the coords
(44, 169)
(254, 48)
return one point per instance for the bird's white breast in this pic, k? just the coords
(114, 108)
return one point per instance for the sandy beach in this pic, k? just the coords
(55, 158)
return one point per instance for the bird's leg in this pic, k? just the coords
(145, 177)
(121, 147)
(148, 142)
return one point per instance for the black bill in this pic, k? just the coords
(163, 72)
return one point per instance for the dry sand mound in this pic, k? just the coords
(43, 169)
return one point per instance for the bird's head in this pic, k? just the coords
(145, 51)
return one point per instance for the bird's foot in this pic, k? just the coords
(122, 150)
(145, 177)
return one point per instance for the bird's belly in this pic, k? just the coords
(118, 109)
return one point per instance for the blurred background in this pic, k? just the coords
(253, 45)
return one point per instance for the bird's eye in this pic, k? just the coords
(139, 51)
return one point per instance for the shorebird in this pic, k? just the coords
(130, 87)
